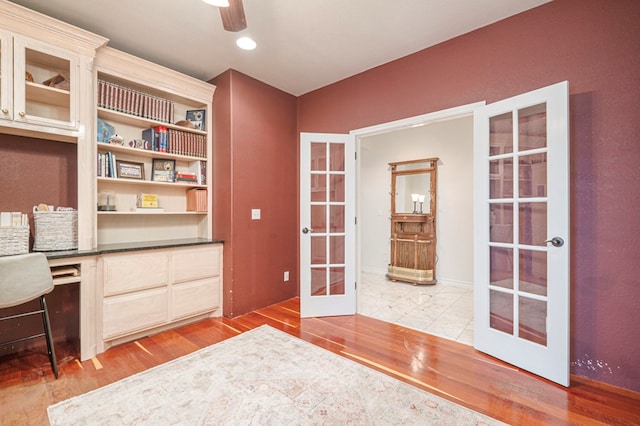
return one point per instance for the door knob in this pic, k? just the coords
(306, 230)
(556, 242)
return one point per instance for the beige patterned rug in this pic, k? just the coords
(261, 377)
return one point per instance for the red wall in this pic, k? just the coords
(595, 45)
(255, 167)
(34, 171)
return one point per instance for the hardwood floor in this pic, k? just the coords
(449, 369)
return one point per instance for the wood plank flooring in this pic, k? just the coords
(446, 368)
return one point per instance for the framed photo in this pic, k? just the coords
(198, 118)
(163, 170)
(130, 170)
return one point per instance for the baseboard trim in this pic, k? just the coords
(579, 380)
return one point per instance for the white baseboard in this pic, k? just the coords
(370, 270)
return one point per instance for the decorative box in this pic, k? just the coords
(55, 230)
(147, 200)
(14, 240)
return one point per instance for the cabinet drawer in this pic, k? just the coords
(132, 312)
(126, 273)
(193, 264)
(195, 297)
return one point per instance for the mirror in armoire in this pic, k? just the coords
(413, 216)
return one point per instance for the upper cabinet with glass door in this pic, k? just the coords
(39, 84)
(45, 68)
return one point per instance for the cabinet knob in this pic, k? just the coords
(5, 111)
(22, 114)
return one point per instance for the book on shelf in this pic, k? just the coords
(106, 164)
(186, 177)
(199, 168)
(158, 138)
(135, 102)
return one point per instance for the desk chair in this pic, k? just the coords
(23, 278)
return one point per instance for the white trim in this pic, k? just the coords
(418, 120)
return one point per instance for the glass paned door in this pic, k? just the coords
(521, 219)
(327, 242)
(45, 84)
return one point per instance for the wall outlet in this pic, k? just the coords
(286, 275)
(255, 214)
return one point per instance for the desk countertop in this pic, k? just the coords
(125, 247)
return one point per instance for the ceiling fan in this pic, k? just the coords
(232, 14)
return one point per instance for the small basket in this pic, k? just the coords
(14, 240)
(55, 230)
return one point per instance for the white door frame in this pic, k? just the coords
(405, 123)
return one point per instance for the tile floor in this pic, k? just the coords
(444, 310)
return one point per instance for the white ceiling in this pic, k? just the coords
(302, 44)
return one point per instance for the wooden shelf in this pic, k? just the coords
(103, 147)
(46, 95)
(132, 120)
(129, 213)
(148, 182)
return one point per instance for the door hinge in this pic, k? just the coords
(355, 221)
(355, 155)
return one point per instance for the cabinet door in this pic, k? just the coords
(133, 272)
(133, 312)
(195, 297)
(6, 74)
(51, 99)
(193, 264)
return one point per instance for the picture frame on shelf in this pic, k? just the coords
(198, 118)
(130, 170)
(163, 170)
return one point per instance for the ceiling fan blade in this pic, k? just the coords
(233, 18)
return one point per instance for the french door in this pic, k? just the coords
(521, 222)
(327, 221)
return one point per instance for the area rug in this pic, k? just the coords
(261, 377)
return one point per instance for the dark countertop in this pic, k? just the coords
(125, 247)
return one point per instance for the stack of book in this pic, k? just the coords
(187, 178)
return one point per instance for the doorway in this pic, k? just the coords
(445, 309)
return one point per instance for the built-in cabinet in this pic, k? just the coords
(156, 289)
(43, 68)
(51, 74)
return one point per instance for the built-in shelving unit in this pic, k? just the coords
(177, 95)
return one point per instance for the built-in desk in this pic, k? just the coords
(84, 267)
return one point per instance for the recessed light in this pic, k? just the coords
(219, 3)
(246, 43)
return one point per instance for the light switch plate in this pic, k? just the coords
(255, 214)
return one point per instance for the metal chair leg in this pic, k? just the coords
(47, 331)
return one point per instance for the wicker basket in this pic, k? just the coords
(55, 230)
(14, 240)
